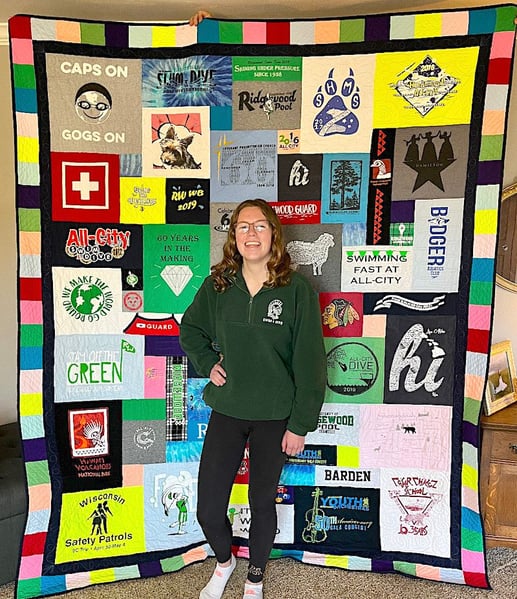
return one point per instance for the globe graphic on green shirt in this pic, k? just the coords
(87, 298)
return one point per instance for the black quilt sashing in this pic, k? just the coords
(379, 142)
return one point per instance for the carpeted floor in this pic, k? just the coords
(288, 579)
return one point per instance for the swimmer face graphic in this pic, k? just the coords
(93, 103)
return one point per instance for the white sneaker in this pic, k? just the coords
(214, 589)
(253, 591)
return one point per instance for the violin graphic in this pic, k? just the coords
(313, 532)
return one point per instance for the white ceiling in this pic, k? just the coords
(169, 10)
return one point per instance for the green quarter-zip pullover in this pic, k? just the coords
(272, 349)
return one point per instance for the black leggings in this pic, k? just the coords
(223, 449)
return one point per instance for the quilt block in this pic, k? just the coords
(379, 141)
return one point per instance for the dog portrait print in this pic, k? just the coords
(176, 142)
(175, 152)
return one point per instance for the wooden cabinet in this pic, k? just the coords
(498, 477)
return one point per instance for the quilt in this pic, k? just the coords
(379, 141)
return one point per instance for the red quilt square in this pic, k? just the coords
(34, 544)
(499, 70)
(85, 187)
(30, 289)
(20, 27)
(278, 33)
(476, 579)
(478, 341)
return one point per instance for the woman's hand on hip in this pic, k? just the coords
(218, 375)
(292, 444)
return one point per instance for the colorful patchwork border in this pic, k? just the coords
(25, 30)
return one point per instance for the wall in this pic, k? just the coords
(8, 309)
(504, 325)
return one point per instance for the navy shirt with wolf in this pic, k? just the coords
(272, 348)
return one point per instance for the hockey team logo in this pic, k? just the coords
(339, 313)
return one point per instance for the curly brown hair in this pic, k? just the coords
(279, 265)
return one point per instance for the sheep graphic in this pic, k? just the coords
(311, 252)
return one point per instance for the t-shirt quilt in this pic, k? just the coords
(379, 141)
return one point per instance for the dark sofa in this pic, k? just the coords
(13, 500)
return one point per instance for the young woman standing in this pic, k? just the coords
(254, 330)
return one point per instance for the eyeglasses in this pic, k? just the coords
(259, 226)
(85, 105)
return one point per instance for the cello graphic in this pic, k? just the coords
(313, 531)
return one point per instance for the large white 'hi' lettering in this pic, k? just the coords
(405, 357)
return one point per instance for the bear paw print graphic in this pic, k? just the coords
(335, 117)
